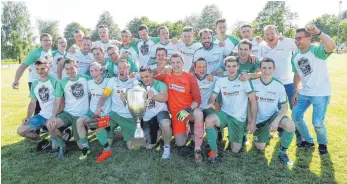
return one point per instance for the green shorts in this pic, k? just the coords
(262, 134)
(68, 120)
(127, 125)
(235, 127)
(219, 98)
(90, 114)
(207, 112)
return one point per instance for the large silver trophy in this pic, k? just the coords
(137, 107)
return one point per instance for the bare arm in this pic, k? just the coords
(19, 74)
(211, 100)
(102, 101)
(31, 108)
(56, 105)
(329, 44)
(162, 97)
(60, 68)
(297, 82)
(254, 108)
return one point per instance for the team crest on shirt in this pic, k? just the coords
(234, 93)
(144, 49)
(44, 94)
(305, 66)
(177, 88)
(77, 90)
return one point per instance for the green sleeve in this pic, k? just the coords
(53, 81)
(160, 86)
(59, 90)
(155, 39)
(110, 69)
(255, 66)
(233, 39)
(135, 48)
(31, 57)
(120, 47)
(54, 52)
(32, 93)
(319, 52)
(292, 61)
(133, 67)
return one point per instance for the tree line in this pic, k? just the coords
(17, 38)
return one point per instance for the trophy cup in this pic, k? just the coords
(137, 107)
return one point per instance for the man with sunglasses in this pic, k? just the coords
(310, 66)
(114, 56)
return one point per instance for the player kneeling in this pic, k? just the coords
(156, 114)
(235, 95)
(42, 91)
(269, 93)
(95, 89)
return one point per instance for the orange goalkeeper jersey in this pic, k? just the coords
(183, 90)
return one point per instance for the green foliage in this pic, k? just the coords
(208, 17)
(51, 27)
(343, 32)
(290, 33)
(236, 29)
(276, 13)
(327, 23)
(107, 20)
(16, 36)
(69, 32)
(9, 61)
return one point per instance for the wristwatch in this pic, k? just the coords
(319, 33)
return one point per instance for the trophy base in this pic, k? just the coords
(138, 142)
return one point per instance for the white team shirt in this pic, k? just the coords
(157, 87)
(170, 47)
(31, 58)
(84, 60)
(313, 70)
(75, 94)
(188, 53)
(230, 42)
(281, 54)
(268, 96)
(206, 88)
(145, 48)
(214, 57)
(96, 91)
(115, 86)
(234, 96)
(43, 91)
(132, 52)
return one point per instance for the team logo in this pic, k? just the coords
(77, 90)
(305, 66)
(44, 94)
(144, 49)
(224, 93)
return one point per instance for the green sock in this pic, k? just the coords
(212, 138)
(286, 139)
(60, 143)
(84, 142)
(191, 125)
(102, 137)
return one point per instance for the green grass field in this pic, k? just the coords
(22, 164)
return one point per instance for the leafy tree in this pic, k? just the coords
(69, 32)
(16, 35)
(107, 20)
(51, 27)
(208, 17)
(328, 24)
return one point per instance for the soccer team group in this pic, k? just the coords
(194, 87)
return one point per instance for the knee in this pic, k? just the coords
(166, 124)
(197, 113)
(260, 146)
(289, 125)
(20, 131)
(209, 121)
(318, 125)
(80, 122)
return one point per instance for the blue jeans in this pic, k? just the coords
(290, 93)
(320, 106)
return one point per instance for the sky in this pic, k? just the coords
(87, 12)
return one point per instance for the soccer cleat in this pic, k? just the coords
(104, 155)
(305, 144)
(150, 146)
(166, 153)
(212, 155)
(44, 144)
(85, 153)
(322, 149)
(198, 156)
(284, 159)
